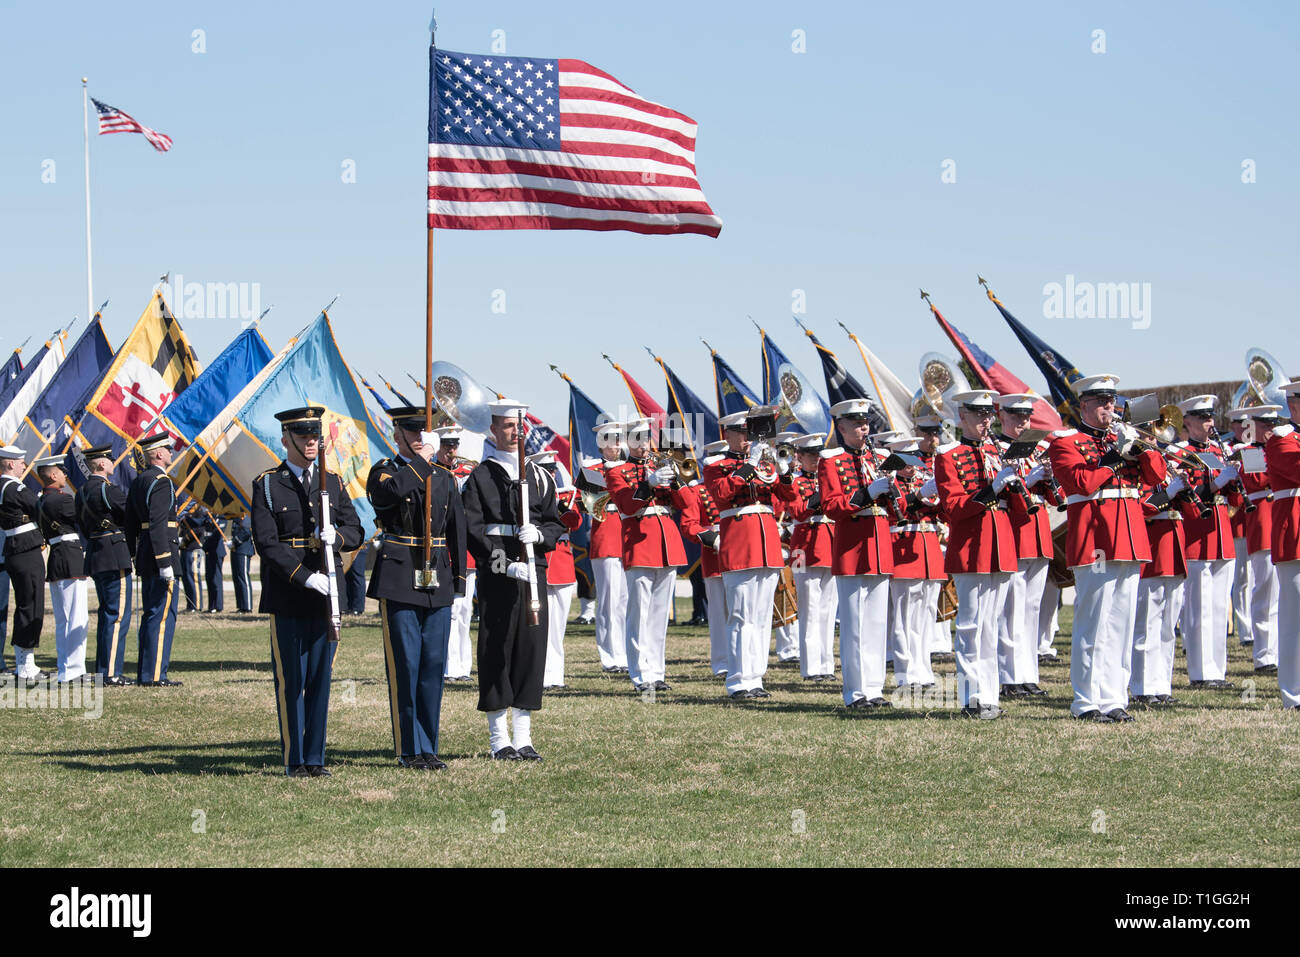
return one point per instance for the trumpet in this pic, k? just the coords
(679, 459)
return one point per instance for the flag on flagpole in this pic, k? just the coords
(113, 120)
(646, 407)
(841, 385)
(894, 397)
(584, 416)
(1056, 369)
(539, 143)
(732, 393)
(378, 398)
(27, 388)
(993, 375)
(688, 411)
(400, 398)
(784, 386)
(10, 371)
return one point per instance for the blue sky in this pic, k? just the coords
(825, 166)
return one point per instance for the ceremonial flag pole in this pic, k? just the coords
(426, 578)
(85, 132)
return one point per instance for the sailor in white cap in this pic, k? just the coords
(606, 552)
(19, 517)
(1210, 551)
(1258, 512)
(65, 568)
(460, 645)
(1282, 451)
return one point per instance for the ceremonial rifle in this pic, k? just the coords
(534, 604)
(323, 522)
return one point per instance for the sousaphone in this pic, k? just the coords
(461, 398)
(941, 379)
(1264, 378)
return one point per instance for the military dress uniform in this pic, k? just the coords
(606, 553)
(1242, 583)
(287, 534)
(65, 571)
(241, 559)
(20, 518)
(918, 575)
(152, 524)
(191, 539)
(699, 524)
(101, 514)
(561, 575)
(417, 620)
(214, 560)
(812, 552)
(460, 647)
(1261, 620)
(1282, 451)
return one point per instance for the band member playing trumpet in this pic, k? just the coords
(606, 553)
(812, 552)
(918, 572)
(699, 522)
(929, 431)
(1282, 451)
(749, 485)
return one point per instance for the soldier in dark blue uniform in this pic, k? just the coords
(241, 541)
(291, 538)
(415, 610)
(191, 539)
(19, 516)
(356, 596)
(65, 568)
(152, 525)
(101, 514)
(214, 558)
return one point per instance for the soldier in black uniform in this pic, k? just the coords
(65, 568)
(101, 514)
(191, 538)
(214, 558)
(241, 541)
(511, 652)
(19, 511)
(291, 539)
(151, 523)
(415, 612)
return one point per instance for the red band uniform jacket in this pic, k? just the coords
(980, 536)
(748, 509)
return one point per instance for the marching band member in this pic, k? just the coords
(929, 429)
(852, 491)
(1209, 551)
(1262, 618)
(1239, 422)
(1019, 629)
(101, 510)
(918, 572)
(460, 647)
(652, 552)
(606, 552)
(812, 552)
(974, 491)
(749, 490)
(1282, 451)
(561, 576)
(787, 636)
(65, 568)
(699, 523)
(1101, 469)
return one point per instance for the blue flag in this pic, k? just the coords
(10, 387)
(584, 416)
(217, 385)
(378, 398)
(687, 410)
(1056, 369)
(732, 393)
(10, 371)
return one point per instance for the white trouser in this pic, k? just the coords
(750, 594)
(940, 631)
(912, 602)
(1205, 638)
(815, 590)
(864, 614)
(1263, 607)
(1242, 586)
(980, 597)
(649, 602)
(1159, 603)
(559, 598)
(716, 594)
(460, 648)
(611, 611)
(787, 641)
(1048, 609)
(70, 625)
(1288, 635)
(1018, 622)
(1101, 652)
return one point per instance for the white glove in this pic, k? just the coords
(1126, 432)
(317, 582)
(1008, 476)
(783, 465)
(878, 487)
(1226, 476)
(519, 572)
(1175, 486)
(167, 573)
(529, 535)
(1036, 475)
(929, 490)
(431, 440)
(755, 455)
(663, 476)
(328, 535)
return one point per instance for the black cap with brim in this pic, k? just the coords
(98, 452)
(156, 441)
(302, 421)
(408, 417)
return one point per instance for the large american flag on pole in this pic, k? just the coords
(113, 120)
(534, 143)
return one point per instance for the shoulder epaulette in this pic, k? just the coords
(1063, 433)
(831, 453)
(946, 448)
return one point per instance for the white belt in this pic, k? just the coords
(611, 507)
(1167, 516)
(746, 510)
(648, 511)
(1103, 493)
(869, 511)
(1256, 496)
(70, 537)
(918, 527)
(816, 520)
(1277, 493)
(21, 529)
(505, 531)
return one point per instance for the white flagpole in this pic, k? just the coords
(85, 130)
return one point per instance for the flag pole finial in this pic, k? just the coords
(652, 353)
(756, 325)
(982, 281)
(712, 351)
(326, 309)
(807, 331)
(926, 296)
(265, 311)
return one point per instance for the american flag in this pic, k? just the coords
(534, 143)
(113, 120)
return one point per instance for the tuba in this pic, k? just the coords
(1264, 379)
(941, 379)
(460, 397)
(798, 403)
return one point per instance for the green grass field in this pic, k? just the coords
(192, 776)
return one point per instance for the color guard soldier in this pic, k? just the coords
(191, 539)
(214, 558)
(153, 526)
(699, 524)
(20, 517)
(460, 646)
(416, 611)
(1262, 615)
(561, 576)
(511, 651)
(861, 501)
(1210, 550)
(975, 492)
(65, 568)
(1102, 469)
(652, 553)
(1282, 451)
(606, 553)
(812, 552)
(241, 541)
(918, 572)
(749, 489)
(290, 536)
(101, 513)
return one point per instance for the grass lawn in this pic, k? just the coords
(192, 776)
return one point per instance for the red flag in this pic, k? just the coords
(645, 405)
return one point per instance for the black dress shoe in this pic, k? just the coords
(1219, 684)
(527, 753)
(663, 686)
(119, 681)
(168, 683)
(741, 695)
(643, 688)
(878, 703)
(1167, 699)
(434, 762)
(318, 771)
(759, 693)
(1266, 670)
(609, 669)
(416, 762)
(1034, 691)
(1012, 691)
(506, 754)
(1119, 714)
(298, 771)
(698, 621)
(1048, 659)
(1096, 717)
(1200, 683)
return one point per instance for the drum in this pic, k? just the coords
(785, 610)
(947, 601)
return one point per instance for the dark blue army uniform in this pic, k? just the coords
(356, 597)
(152, 525)
(416, 621)
(214, 557)
(101, 514)
(285, 526)
(241, 551)
(19, 516)
(191, 539)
